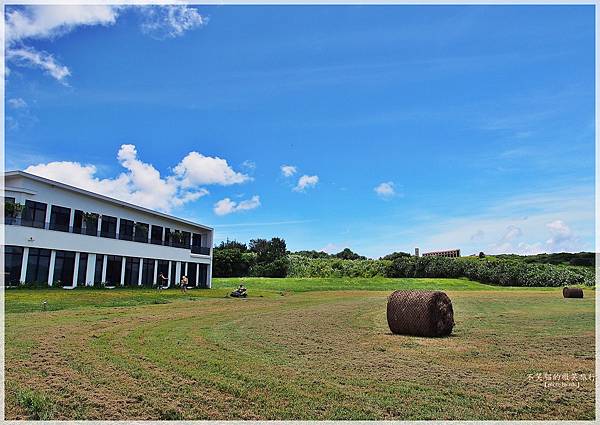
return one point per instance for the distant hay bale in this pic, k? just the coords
(420, 313)
(572, 292)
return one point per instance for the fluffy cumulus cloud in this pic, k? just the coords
(288, 170)
(197, 169)
(385, 190)
(227, 206)
(306, 182)
(26, 23)
(141, 183)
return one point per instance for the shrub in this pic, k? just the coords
(301, 266)
(492, 271)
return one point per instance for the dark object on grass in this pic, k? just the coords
(572, 292)
(239, 293)
(420, 313)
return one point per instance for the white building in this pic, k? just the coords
(69, 237)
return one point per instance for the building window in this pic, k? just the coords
(186, 239)
(98, 269)
(156, 235)
(163, 267)
(59, 218)
(141, 232)
(148, 272)
(132, 271)
(64, 267)
(13, 259)
(197, 244)
(167, 236)
(203, 276)
(108, 227)
(126, 230)
(82, 271)
(34, 214)
(191, 273)
(113, 270)
(173, 268)
(38, 265)
(78, 221)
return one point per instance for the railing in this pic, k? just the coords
(204, 250)
(19, 221)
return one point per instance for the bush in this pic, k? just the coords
(277, 268)
(492, 271)
(301, 266)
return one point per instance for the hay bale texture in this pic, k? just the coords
(572, 292)
(420, 313)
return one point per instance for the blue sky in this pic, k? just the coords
(430, 126)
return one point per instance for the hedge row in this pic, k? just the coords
(492, 271)
(301, 266)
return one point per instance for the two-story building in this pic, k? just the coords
(65, 236)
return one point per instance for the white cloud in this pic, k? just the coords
(562, 237)
(385, 190)
(29, 57)
(512, 232)
(227, 206)
(305, 182)
(197, 169)
(249, 165)
(51, 21)
(288, 170)
(141, 183)
(45, 21)
(171, 21)
(17, 103)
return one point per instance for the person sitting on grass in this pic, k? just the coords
(240, 292)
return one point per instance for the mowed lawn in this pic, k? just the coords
(296, 349)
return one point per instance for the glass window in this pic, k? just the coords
(90, 224)
(59, 218)
(163, 268)
(167, 236)
(98, 269)
(113, 270)
(141, 232)
(148, 272)
(196, 243)
(202, 277)
(64, 267)
(186, 239)
(38, 265)
(126, 230)
(108, 227)
(13, 259)
(34, 214)
(172, 280)
(82, 271)
(132, 271)
(156, 235)
(77, 221)
(191, 273)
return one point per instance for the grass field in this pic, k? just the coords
(296, 349)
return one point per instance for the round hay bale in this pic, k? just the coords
(572, 292)
(420, 313)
